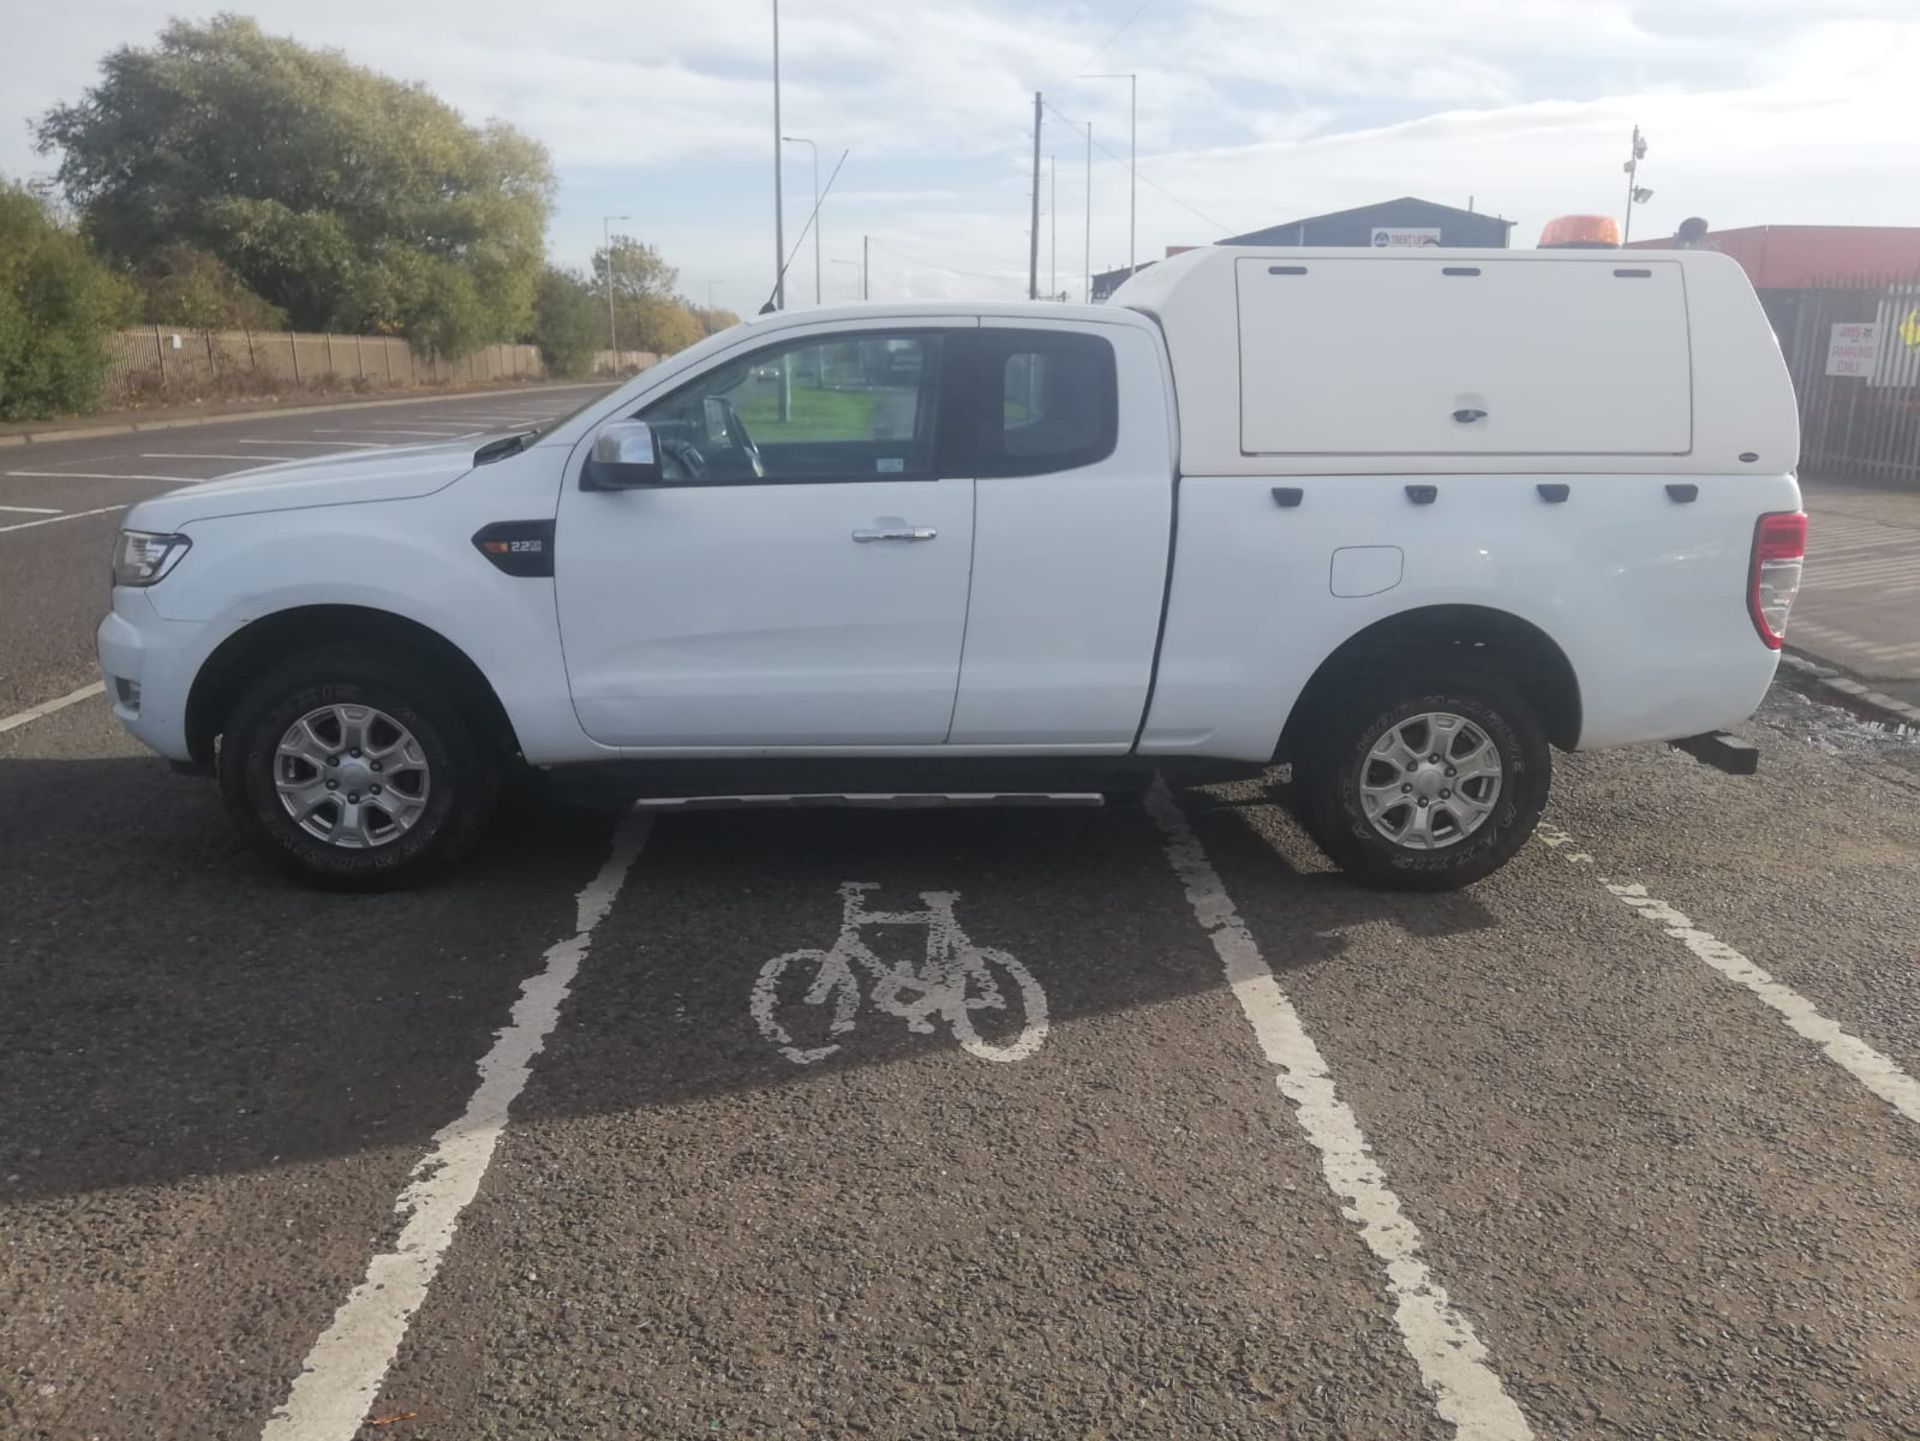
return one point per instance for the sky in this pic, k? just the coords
(1250, 113)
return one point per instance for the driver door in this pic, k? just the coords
(799, 578)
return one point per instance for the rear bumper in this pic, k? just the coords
(148, 664)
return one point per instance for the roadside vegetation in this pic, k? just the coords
(227, 179)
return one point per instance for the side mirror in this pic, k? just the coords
(623, 458)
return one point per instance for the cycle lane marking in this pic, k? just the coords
(343, 1373)
(1875, 1070)
(954, 969)
(1453, 1362)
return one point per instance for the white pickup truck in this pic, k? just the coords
(1404, 520)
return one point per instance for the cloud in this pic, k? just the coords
(1252, 112)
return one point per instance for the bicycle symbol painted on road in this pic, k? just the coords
(967, 986)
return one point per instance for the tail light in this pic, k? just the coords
(1773, 575)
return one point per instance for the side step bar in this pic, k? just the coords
(875, 800)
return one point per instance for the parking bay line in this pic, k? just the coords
(344, 1371)
(48, 707)
(209, 455)
(1453, 1362)
(108, 475)
(56, 519)
(31, 509)
(1872, 1069)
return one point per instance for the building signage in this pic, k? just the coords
(1853, 348)
(1393, 237)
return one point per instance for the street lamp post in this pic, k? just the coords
(779, 207)
(606, 238)
(1133, 157)
(802, 140)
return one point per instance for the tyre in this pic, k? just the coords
(1428, 782)
(356, 770)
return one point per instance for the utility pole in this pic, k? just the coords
(1133, 158)
(1033, 233)
(1086, 258)
(779, 209)
(865, 256)
(1053, 227)
(802, 140)
(1636, 192)
(606, 237)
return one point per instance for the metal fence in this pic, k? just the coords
(154, 360)
(1853, 346)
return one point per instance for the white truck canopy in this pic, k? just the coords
(1292, 361)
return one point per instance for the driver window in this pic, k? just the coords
(848, 407)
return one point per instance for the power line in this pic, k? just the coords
(935, 265)
(1108, 43)
(1145, 179)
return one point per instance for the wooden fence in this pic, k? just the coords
(154, 361)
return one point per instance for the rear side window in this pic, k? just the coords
(1054, 402)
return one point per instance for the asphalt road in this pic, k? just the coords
(1242, 1152)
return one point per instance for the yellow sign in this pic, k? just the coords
(1910, 329)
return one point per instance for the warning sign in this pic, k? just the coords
(1853, 348)
(1910, 329)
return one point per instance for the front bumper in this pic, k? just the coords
(148, 664)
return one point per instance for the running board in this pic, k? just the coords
(873, 800)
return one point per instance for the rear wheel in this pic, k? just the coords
(1427, 783)
(355, 770)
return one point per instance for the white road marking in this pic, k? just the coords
(957, 979)
(252, 459)
(1877, 1072)
(56, 519)
(329, 444)
(442, 434)
(107, 475)
(31, 509)
(1453, 1363)
(344, 1370)
(46, 708)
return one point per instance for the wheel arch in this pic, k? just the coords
(238, 659)
(1522, 653)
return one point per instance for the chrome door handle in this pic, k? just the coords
(911, 532)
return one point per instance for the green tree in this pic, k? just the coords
(569, 322)
(647, 312)
(349, 200)
(191, 289)
(58, 310)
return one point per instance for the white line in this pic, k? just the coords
(330, 444)
(45, 708)
(56, 519)
(32, 509)
(391, 430)
(1869, 1067)
(347, 1365)
(255, 457)
(106, 475)
(1453, 1362)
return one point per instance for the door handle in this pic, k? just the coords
(1468, 416)
(905, 532)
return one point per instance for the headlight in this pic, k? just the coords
(141, 557)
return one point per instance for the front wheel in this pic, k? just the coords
(1429, 783)
(355, 771)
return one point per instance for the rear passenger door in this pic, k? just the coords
(1070, 441)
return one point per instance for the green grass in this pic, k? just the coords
(811, 415)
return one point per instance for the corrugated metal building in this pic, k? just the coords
(1408, 221)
